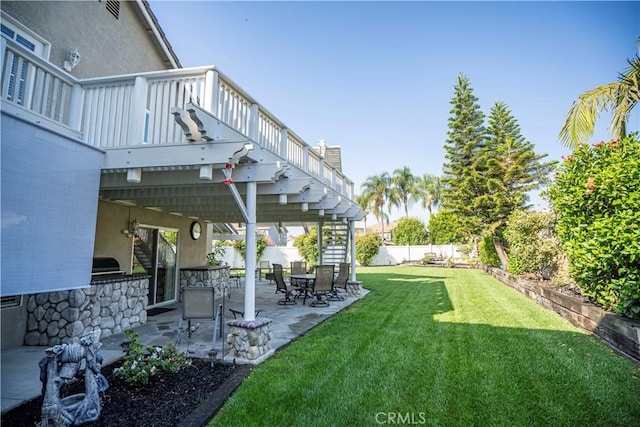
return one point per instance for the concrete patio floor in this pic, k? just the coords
(20, 374)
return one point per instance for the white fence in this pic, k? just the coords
(393, 255)
(387, 255)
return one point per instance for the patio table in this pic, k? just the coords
(307, 280)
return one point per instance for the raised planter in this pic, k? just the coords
(621, 333)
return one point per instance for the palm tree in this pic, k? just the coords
(429, 191)
(403, 188)
(377, 190)
(365, 204)
(620, 96)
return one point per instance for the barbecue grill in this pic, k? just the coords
(106, 267)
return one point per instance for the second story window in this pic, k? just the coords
(17, 67)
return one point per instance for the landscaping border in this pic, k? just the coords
(620, 333)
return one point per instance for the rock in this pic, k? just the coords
(38, 313)
(56, 297)
(31, 303)
(107, 323)
(77, 298)
(71, 314)
(62, 306)
(52, 329)
(75, 329)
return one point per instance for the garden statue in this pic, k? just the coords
(79, 359)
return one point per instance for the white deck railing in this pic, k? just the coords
(126, 110)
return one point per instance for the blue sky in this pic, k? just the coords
(377, 78)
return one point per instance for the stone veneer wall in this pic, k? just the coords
(249, 339)
(109, 306)
(206, 276)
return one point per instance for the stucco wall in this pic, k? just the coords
(14, 323)
(108, 46)
(114, 217)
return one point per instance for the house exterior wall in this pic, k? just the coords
(108, 46)
(51, 214)
(114, 217)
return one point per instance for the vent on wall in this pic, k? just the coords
(114, 8)
(11, 301)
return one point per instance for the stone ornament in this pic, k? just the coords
(64, 362)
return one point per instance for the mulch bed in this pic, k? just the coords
(187, 398)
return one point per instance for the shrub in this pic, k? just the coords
(534, 246)
(596, 195)
(488, 254)
(367, 247)
(307, 245)
(218, 251)
(444, 228)
(261, 244)
(410, 231)
(141, 363)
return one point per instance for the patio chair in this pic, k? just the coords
(323, 285)
(298, 267)
(264, 268)
(281, 286)
(340, 282)
(198, 303)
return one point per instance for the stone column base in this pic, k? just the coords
(354, 288)
(249, 340)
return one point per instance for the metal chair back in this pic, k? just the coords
(324, 278)
(298, 267)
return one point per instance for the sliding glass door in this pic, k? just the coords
(155, 254)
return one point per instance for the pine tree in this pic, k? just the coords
(463, 180)
(512, 169)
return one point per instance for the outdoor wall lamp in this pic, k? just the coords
(305, 206)
(131, 230)
(321, 212)
(74, 59)
(282, 199)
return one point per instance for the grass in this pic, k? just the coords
(440, 347)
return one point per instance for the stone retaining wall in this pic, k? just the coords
(107, 306)
(621, 333)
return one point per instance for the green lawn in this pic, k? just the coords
(437, 346)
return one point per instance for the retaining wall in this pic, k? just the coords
(621, 333)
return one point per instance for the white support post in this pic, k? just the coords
(138, 111)
(320, 225)
(250, 254)
(352, 243)
(284, 143)
(75, 107)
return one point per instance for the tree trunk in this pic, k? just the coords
(502, 254)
